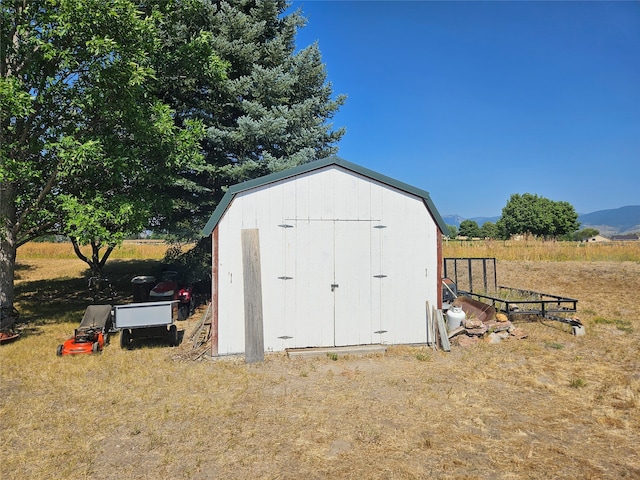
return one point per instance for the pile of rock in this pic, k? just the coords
(492, 330)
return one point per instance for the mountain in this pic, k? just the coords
(609, 222)
(457, 219)
(615, 221)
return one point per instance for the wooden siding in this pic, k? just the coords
(342, 257)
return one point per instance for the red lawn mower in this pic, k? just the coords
(92, 334)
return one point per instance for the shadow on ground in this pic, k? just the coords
(63, 300)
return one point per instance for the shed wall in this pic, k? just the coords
(343, 257)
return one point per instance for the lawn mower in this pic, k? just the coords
(169, 289)
(92, 334)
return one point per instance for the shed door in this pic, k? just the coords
(335, 282)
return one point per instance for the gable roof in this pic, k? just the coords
(316, 165)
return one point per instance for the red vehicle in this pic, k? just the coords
(169, 289)
(91, 335)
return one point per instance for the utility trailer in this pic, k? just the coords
(477, 278)
(147, 320)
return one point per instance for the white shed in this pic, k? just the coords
(324, 254)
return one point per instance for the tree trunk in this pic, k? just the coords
(7, 243)
(95, 263)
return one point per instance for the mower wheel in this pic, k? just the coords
(125, 337)
(173, 336)
(96, 347)
(59, 350)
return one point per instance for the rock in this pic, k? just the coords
(578, 330)
(493, 338)
(477, 332)
(472, 323)
(466, 341)
(495, 326)
(501, 317)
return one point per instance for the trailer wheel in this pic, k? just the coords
(95, 348)
(59, 350)
(183, 312)
(173, 336)
(125, 337)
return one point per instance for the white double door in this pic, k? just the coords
(335, 290)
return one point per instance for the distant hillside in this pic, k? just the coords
(615, 221)
(609, 222)
(455, 220)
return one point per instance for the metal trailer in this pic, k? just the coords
(477, 278)
(147, 320)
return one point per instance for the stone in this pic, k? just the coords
(466, 341)
(472, 323)
(578, 330)
(493, 338)
(495, 326)
(501, 317)
(477, 332)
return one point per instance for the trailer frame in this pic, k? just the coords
(514, 302)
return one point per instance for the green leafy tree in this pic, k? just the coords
(272, 111)
(85, 147)
(453, 231)
(489, 230)
(538, 216)
(469, 229)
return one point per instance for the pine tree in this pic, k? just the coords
(271, 111)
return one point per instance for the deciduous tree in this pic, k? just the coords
(538, 216)
(469, 228)
(83, 142)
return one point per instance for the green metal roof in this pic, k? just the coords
(316, 165)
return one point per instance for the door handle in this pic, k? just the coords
(334, 286)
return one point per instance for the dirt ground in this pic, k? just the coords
(549, 406)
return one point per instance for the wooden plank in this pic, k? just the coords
(253, 318)
(431, 338)
(434, 322)
(442, 330)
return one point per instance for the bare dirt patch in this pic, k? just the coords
(552, 405)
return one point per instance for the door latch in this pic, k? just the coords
(334, 286)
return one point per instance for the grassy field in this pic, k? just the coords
(550, 406)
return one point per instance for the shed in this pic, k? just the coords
(324, 254)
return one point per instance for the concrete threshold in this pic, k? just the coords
(357, 350)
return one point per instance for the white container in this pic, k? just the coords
(455, 316)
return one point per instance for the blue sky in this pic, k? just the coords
(475, 101)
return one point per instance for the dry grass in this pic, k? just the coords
(130, 249)
(537, 250)
(550, 406)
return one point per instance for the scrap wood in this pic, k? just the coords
(431, 334)
(442, 330)
(456, 331)
(196, 335)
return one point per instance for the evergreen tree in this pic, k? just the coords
(272, 110)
